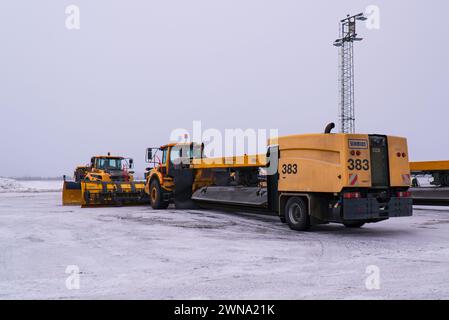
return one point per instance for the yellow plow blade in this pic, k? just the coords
(113, 193)
(71, 193)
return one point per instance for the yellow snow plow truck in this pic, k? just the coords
(306, 179)
(107, 180)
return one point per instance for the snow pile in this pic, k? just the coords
(8, 185)
(424, 181)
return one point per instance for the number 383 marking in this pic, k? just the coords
(290, 168)
(358, 164)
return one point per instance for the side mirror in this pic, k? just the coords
(131, 163)
(149, 155)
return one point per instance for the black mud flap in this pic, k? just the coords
(183, 180)
(367, 209)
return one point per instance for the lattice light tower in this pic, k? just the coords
(346, 71)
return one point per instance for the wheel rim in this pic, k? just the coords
(294, 213)
(153, 194)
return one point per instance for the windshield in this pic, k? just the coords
(184, 153)
(196, 152)
(109, 163)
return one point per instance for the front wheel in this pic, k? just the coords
(157, 195)
(296, 214)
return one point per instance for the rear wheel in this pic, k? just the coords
(354, 225)
(445, 180)
(157, 196)
(296, 214)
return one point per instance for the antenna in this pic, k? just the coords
(346, 69)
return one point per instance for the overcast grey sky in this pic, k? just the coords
(138, 69)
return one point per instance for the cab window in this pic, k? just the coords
(196, 151)
(164, 156)
(109, 163)
(175, 154)
(115, 164)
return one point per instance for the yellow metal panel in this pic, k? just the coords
(70, 196)
(91, 188)
(422, 166)
(322, 162)
(308, 175)
(324, 142)
(399, 165)
(357, 168)
(259, 160)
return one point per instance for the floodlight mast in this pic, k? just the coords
(346, 71)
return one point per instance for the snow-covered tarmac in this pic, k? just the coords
(137, 252)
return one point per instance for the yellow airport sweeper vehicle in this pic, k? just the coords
(107, 180)
(306, 179)
(439, 170)
(435, 194)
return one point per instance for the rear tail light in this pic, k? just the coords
(352, 195)
(404, 194)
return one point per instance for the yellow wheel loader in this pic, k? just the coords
(107, 180)
(165, 182)
(306, 179)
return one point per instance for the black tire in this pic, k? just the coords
(297, 214)
(354, 225)
(157, 196)
(445, 180)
